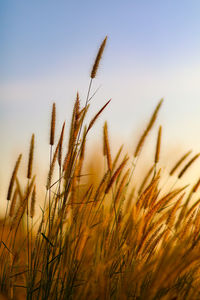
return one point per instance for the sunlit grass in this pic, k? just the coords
(100, 236)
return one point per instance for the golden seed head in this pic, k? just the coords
(107, 146)
(13, 203)
(157, 155)
(148, 128)
(33, 199)
(98, 58)
(30, 161)
(188, 165)
(179, 162)
(53, 123)
(13, 177)
(60, 145)
(115, 175)
(196, 186)
(96, 116)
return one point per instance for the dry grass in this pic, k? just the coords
(106, 239)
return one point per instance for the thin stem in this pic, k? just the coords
(50, 193)
(27, 227)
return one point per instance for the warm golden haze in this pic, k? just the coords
(102, 233)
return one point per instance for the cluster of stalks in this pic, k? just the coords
(104, 240)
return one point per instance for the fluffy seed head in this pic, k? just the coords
(30, 161)
(98, 58)
(13, 203)
(13, 177)
(107, 146)
(148, 128)
(53, 123)
(33, 198)
(196, 186)
(60, 145)
(179, 162)
(188, 165)
(115, 175)
(157, 155)
(97, 115)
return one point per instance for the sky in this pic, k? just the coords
(46, 54)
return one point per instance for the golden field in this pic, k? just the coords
(100, 236)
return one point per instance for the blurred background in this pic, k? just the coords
(46, 54)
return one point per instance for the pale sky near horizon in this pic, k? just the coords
(47, 50)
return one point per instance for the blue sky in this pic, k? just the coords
(47, 50)
(38, 37)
